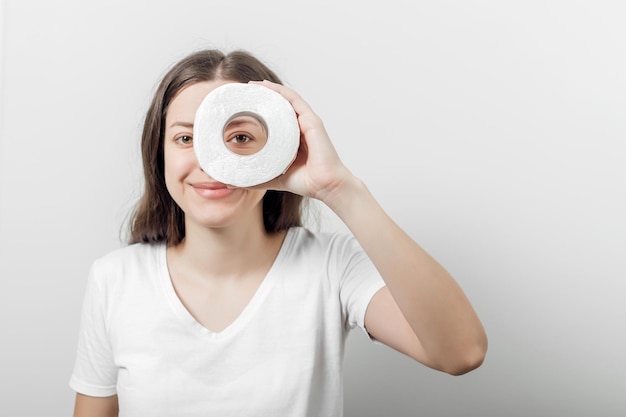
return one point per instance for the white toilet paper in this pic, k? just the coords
(223, 104)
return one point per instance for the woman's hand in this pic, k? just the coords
(317, 171)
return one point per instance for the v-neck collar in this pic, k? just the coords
(248, 311)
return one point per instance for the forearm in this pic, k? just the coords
(86, 406)
(429, 298)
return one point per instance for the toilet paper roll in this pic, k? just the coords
(228, 101)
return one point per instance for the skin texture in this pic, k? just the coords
(96, 407)
(421, 312)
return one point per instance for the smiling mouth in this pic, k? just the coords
(209, 185)
(212, 190)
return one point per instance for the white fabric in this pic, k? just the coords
(283, 356)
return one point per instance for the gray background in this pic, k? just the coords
(492, 131)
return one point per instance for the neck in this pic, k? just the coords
(227, 252)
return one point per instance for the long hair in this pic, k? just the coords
(156, 217)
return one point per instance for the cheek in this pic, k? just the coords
(177, 166)
(179, 160)
(170, 171)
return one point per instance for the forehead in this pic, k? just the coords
(184, 105)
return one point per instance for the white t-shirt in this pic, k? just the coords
(283, 355)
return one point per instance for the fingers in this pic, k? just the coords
(316, 156)
(307, 117)
(294, 98)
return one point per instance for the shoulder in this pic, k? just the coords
(138, 252)
(136, 259)
(305, 238)
(331, 246)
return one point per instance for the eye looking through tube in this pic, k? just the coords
(245, 133)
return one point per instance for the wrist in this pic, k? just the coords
(345, 197)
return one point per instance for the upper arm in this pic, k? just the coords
(386, 324)
(86, 406)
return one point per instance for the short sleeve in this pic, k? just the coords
(95, 373)
(359, 281)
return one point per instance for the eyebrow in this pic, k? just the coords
(183, 124)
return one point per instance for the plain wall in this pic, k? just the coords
(492, 131)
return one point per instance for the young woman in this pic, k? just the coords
(224, 304)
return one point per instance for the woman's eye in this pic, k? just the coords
(185, 140)
(241, 139)
(245, 134)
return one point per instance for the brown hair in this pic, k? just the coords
(157, 217)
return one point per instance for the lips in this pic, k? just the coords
(208, 185)
(212, 189)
